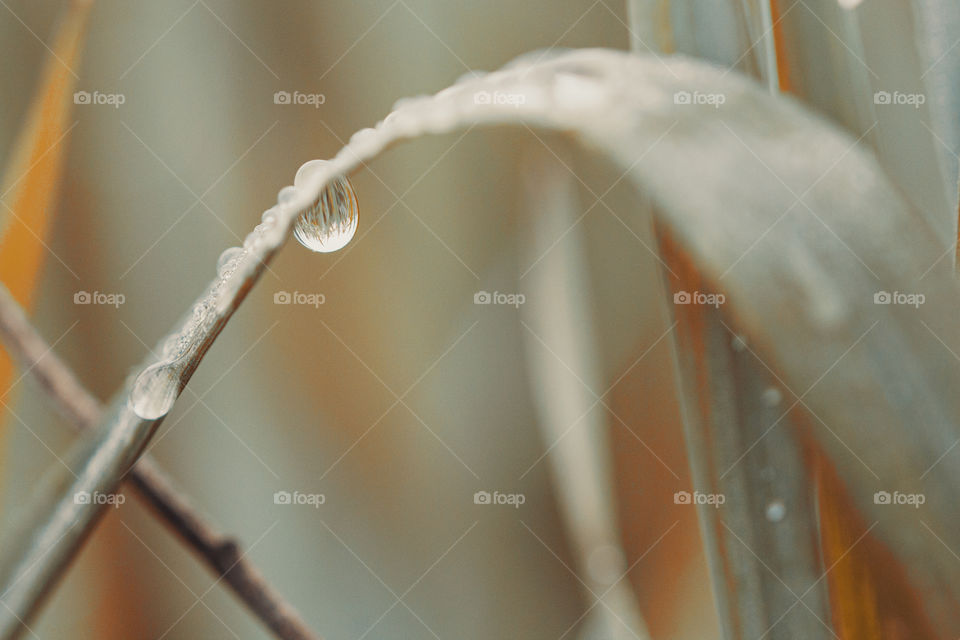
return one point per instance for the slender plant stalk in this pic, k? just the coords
(220, 552)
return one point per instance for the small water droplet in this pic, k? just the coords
(402, 122)
(772, 396)
(171, 346)
(739, 343)
(578, 92)
(364, 141)
(332, 220)
(227, 259)
(286, 194)
(776, 511)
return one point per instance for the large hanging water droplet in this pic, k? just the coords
(154, 391)
(332, 220)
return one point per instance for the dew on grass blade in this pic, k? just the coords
(155, 390)
(330, 223)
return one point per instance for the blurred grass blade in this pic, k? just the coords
(744, 445)
(870, 594)
(737, 34)
(560, 338)
(58, 519)
(854, 65)
(32, 176)
(758, 564)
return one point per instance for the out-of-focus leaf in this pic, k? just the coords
(559, 339)
(855, 64)
(870, 594)
(32, 176)
(33, 173)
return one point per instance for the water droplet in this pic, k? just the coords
(578, 92)
(287, 194)
(402, 122)
(154, 391)
(171, 345)
(364, 141)
(409, 102)
(227, 259)
(739, 343)
(776, 511)
(772, 396)
(359, 137)
(332, 220)
(252, 241)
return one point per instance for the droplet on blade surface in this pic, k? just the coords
(331, 222)
(776, 510)
(154, 391)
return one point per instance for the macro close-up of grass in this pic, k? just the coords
(418, 319)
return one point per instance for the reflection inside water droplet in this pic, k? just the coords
(332, 220)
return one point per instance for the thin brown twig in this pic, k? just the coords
(220, 552)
